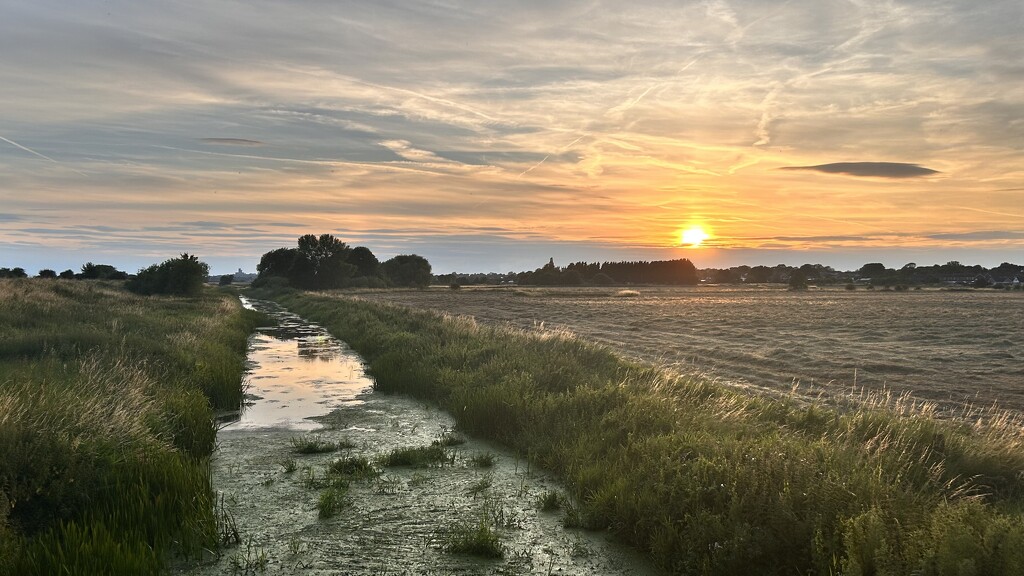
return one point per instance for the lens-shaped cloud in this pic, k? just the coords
(870, 169)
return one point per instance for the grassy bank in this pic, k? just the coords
(106, 423)
(705, 479)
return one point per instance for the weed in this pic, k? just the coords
(572, 518)
(484, 460)
(478, 539)
(419, 457)
(253, 561)
(448, 439)
(388, 484)
(417, 479)
(289, 465)
(333, 499)
(310, 479)
(355, 467)
(312, 444)
(295, 546)
(549, 501)
(480, 486)
(501, 516)
(227, 526)
(580, 549)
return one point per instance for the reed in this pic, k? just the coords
(707, 479)
(106, 424)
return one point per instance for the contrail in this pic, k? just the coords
(29, 150)
(530, 169)
(43, 156)
(991, 212)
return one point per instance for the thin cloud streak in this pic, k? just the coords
(41, 155)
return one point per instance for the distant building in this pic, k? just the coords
(244, 277)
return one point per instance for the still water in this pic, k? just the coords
(296, 371)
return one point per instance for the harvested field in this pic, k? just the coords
(945, 346)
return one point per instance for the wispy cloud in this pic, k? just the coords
(566, 121)
(231, 141)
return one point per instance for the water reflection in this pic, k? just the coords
(296, 370)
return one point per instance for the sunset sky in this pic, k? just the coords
(490, 136)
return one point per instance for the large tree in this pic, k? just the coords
(363, 259)
(318, 262)
(408, 270)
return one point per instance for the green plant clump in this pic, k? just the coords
(416, 457)
(312, 444)
(106, 423)
(480, 539)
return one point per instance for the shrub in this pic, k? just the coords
(183, 276)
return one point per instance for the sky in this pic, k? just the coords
(491, 136)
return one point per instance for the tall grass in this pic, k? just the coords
(706, 479)
(106, 424)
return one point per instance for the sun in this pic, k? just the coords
(694, 236)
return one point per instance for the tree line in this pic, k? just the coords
(682, 272)
(679, 272)
(325, 262)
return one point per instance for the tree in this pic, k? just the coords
(46, 273)
(226, 280)
(183, 276)
(13, 273)
(798, 280)
(68, 274)
(872, 270)
(364, 261)
(277, 262)
(92, 271)
(321, 249)
(408, 270)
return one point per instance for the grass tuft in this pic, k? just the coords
(312, 444)
(484, 460)
(332, 500)
(479, 539)
(417, 457)
(549, 501)
(355, 467)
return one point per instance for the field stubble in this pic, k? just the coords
(952, 348)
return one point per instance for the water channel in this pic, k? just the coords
(302, 381)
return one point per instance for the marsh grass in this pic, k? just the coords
(484, 460)
(475, 539)
(332, 500)
(312, 444)
(448, 439)
(704, 478)
(353, 467)
(549, 501)
(106, 424)
(417, 457)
